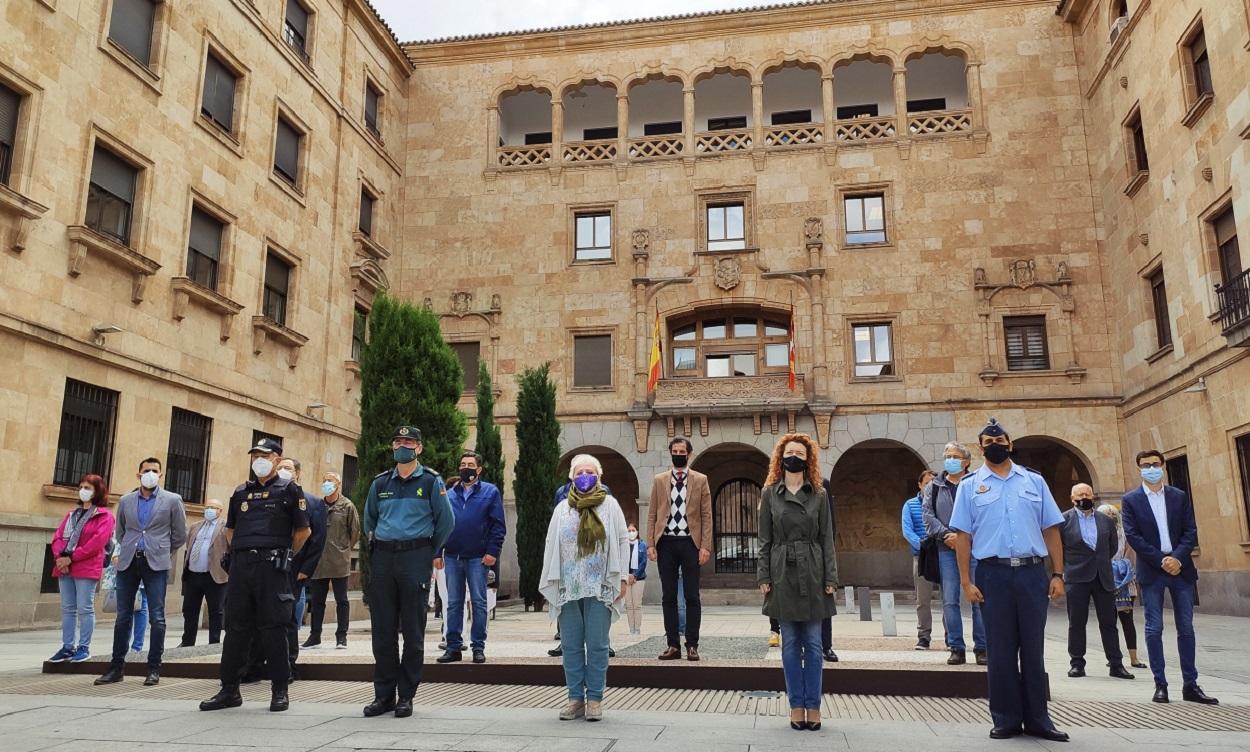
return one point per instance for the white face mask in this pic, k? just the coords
(150, 479)
(633, 535)
(86, 495)
(285, 474)
(262, 467)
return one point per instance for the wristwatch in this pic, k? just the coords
(1053, 575)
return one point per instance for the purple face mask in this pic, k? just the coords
(584, 483)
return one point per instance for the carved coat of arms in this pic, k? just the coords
(460, 302)
(1023, 273)
(728, 273)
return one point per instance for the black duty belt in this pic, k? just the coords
(403, 545)
(258, 552)
(1014, 561)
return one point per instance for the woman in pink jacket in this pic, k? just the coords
(78, 546)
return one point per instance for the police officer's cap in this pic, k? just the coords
(993, 430)
(407, 432)
(267, 444)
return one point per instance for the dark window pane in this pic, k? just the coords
(286, 151)
(1140, 158)
(366, 212)
(204, 248)
(110, 195)
(131, 27)
(1202, 63)
(727, 123)
(360, 326)
(113, 174)
(850, 112)
(599, 134)
(592, 360)
(1243, 465)
(468, 353)
(186, 466)
(1226, 241)
(1159, 298)
(372, 96)
(661, 129)
(10, 105)
(277, 279)
(350, 472)
(792, 117)
(536, 139)
(85, 442)
(1025, 338)
(926, 105)
(218, 102)
(295, 28)
(1178, 474)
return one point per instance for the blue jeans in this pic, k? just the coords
(301, 602)
(802, 663)
(77, 609)
(1182, 614)
(470, 571)
(128, 581)
(952, 619)
(140, 622)
(584, 626)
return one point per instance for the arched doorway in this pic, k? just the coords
(735, 474)
(618, 475)
(1060, 464)
(870, 482)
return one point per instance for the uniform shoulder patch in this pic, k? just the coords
(241, 488)
(303, 505)
(384, 472)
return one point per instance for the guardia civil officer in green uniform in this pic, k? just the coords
(407, 519)
(266, 522)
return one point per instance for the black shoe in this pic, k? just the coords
(311, 642)
(225, 698)
(1139, 664)
(185, 644)
(982, 658)
(279, 701)
(378, 707)
(1051, 734)
(479, 656)
(1194, 693)
(1119, 672)
(112, 676)
(403, 708)
(958, 658)
(1161, 693)
(154, 678)
(1076, 673)
(449, 656)
(611, 653)
(1004, 733)
(798, 725)
(556, 652)
(830, 656)
(922, 644)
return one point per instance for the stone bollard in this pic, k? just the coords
(865, 604)
(889, 628)
(850, 599)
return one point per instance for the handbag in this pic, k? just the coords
(110, 602)
(927, 560)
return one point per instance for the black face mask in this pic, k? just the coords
(1085, 504)
(996, 454)
(794, 464)
(467, 475)
(680, 460)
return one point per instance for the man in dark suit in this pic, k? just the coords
(1159, 524)
(1090, 540)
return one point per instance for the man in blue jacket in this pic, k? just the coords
(914, 532)
(469, 553)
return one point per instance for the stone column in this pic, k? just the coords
(642, 351)
(492, 136)
(972, 76)
(827, 108)
(757, 114)
(900, 102)
(557, 131)
(622, 127)
(820, 368)
(687, 120)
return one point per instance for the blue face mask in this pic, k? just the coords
(210, 514)
(1152, 474)
(404, 455)
(327, 488)
(584, 483)
(953, 465)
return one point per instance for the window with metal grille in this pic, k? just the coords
(469, 354)
(735, 526)
(1178, 473)
(204, 248)
(277, 284)
(111, 195)
(1137, 137)
(85, 443)
(592, 360)
(1243, 465)
(186, 464)
(874, 349)
(373, 99)
(350, 474)
(295, 28)
(286, 151)
(360, 326)
(366, 212)
(593, 232)
(1025, 337)
(10, 108)
(217, 103)
(726, 227)
(1159, 299)
(865, 218)
(131, 27)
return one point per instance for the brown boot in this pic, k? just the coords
(670, 654)
(692, 653)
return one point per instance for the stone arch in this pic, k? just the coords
(791, 58)
(1060, 462)
(618, 475)
(924, 433)
(585, 77)
(735, 471)
(519, 84)
(722, 65)
(940, 45)
(655, 71)
(870, 53)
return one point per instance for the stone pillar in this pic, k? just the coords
(972, 77)
(642, 351)
(757, 114)
(492, 136)
(557, 131)
(900, 102)
(820, 368)
(687, 120)
(622, 127)
(827, 108)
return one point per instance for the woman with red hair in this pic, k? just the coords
(78, 547)
(797, 571)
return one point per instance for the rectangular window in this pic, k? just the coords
(865, 218)
(1026, 343)
(373, 98)
(286, 151)
(366, 212)
(277, 284)
(792, 117)
(360, 326)
(598, 134)
(186, 465)
(662, 129)
(1137, 138)
(1200, 64)
(853, 111)
(1226, 244)
(295, 28)
(85, 443)
(111, 195)
(684, 359)
(737, 122)
(777, 356)
(469, 354)
(131, 27)
(350, 473)
(926, 105)
(592, 360)
(593, 240)
(726, 227)
(538, 139)
(1243, 464)
(1178, 473)
(10, 107)
(204, 248)
(219, 85)
(1159, 299)
(874, 350)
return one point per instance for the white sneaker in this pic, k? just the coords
(594, 710)
(572, 709)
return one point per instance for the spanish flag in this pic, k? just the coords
(654, 366)
(791, 382)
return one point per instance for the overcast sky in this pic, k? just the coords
(433, 19)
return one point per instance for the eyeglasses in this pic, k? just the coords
(1150, 464)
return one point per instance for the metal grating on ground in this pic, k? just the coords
(1176, 716)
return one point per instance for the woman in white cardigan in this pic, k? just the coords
(585, 575)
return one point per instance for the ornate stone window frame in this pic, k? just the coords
(1022, 275)
(726, 195)
(186, 290)
(844, 192)
(572, 334)
(264, 328)
(463, 322)
(593, 208)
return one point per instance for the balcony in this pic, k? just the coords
(939, 123)
(525, 156)
(576, 152)
(732, 396)
(803, 134)
(656, 147)
(1234, 312)
(860, 130)
(714, 142)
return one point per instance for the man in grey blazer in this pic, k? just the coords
(151, 526)
(1090, 540)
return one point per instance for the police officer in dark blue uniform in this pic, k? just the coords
(1006, 517)
(267, 520)
(407, 518)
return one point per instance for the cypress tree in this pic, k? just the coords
(489, 444)
(536, 479)
(408, 376)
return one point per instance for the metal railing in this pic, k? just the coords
(1234, 301)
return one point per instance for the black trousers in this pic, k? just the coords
(677, 553)
(259, 656)
(1078, 595)
(1015, 638)
(317, 592)
(197, 588)
(259, 604)
(399, 590)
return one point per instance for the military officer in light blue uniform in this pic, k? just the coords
(1006, 518)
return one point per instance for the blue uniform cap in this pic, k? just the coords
(992, 429)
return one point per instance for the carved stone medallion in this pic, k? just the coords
(728, 273)
(461, 301)
(1023, 273)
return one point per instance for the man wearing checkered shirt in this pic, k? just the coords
(680, 530)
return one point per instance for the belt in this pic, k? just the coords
(267, 553)
(141, 554)
(1013, 561)
(403, 545)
